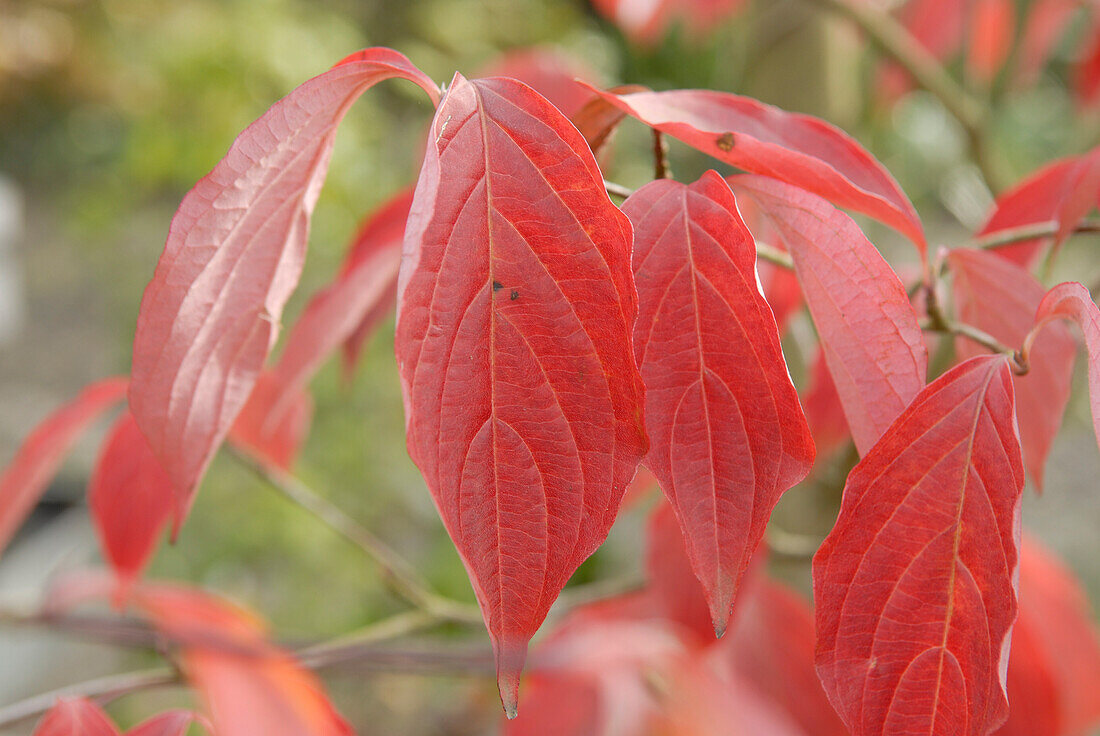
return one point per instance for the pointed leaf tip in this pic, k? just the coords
(510, 658)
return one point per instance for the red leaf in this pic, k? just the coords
(992, 30)
(349, 308)
(131, 499)
(824, 409)
(275, 422)
(771, 646)
(522, 400)
(382, 230)
(1062, 192)
(75, 717)
(549, 72)
(938, 25)
(1054, 673)
(1086, 72)
(250, 687)
(872, 341)
(1072, 301)
(1000, 298)
(761, 139)
(672, 588)
(172, 723)
(727, 433)
(914, 587)
(234, 254)
(37, 459)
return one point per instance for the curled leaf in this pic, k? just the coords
(798, 149)
(234, 254)
(37, 459)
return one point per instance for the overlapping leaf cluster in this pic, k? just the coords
(550, 342)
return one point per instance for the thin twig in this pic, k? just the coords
(101, 689)
(791, 546)
(1031, 231)
(772, 254)
(398, 574)
(617, 190)
(900, 45)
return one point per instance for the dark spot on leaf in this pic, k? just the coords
(725, 142)
(497, 286)
(515, 294)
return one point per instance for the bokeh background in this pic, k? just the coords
(111, 109)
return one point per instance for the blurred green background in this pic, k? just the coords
(110, 110)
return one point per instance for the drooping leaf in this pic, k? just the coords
(234, 254)
(348, 309)
(1060, 193)
(131, 499)
(914, 587)
(382, 230)
(771, 646)
(516, 302)
(275, 421)
(249, 686)
(1054, 672)
(867, 326)
(671, 586)
(1072, 301)
(1000, 298)
(824, 409)
(171, 723)
(727, 434)
(75, 717)
(798, 149)
(37, 459)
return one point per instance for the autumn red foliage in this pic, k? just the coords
(550, 342)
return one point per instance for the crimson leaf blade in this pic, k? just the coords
(915, 587)
(131, 499)
(868, 330)
(727, 433)
(515, 308)
(798, 149)
(999, 297)
(37, 459)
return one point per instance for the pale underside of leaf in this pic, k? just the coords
(233, 256)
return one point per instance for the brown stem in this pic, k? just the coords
(660, 156)
(402, 578)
